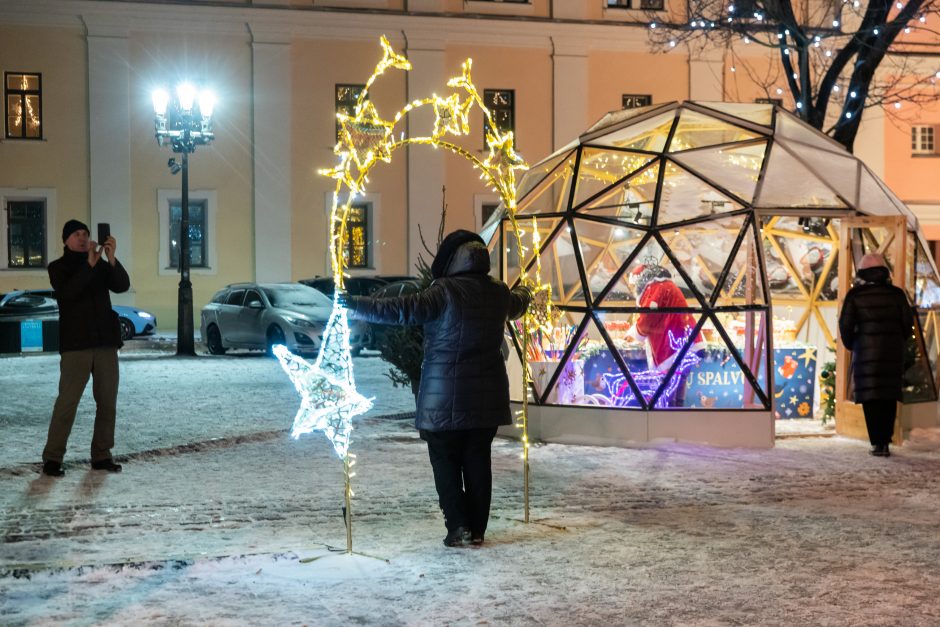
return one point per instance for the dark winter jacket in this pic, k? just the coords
(875, 324)
(464, 313)
(86, 319)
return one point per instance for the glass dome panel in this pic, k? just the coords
(599, 169)
(685, 196)
(791, 127)
(703, 249)
(782, 276)
(714, 379)
(604, 247)
(927, 292)
(620, 115)
(551, 166)
(872, 199)
(649, 135)
(631, 201)
(622, 292)
(696, 130)
(605, 383)
(511, 259)
(789, 183)
(928, 322)
(666, 334)
(549, 193)
(753, 112)
(732, 168)
(918, 377)
(560, 269)
(842, 171)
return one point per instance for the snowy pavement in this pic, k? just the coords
(219, 514)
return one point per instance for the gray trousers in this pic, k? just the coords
(74, 369)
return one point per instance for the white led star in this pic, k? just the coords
(328, 397)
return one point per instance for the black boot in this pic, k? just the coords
(458, 537)
(53, 469)
(106, 464)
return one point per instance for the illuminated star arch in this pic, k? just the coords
(329, 400)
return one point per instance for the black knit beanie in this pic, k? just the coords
(448, 247)
(71, 226)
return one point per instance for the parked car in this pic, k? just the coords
(42, 305)
(259, 315)
(379, 332)
(355, 285)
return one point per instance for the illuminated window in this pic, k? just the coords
(23, 96)
(26, 234)
(346, 97)
(502, 106)
(632, 101)
(922, 140)
(358, 225)
(198, 243)
(649, 5)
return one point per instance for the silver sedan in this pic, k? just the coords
(260, 315)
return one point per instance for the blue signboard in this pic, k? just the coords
(716, 381)
(30, 336)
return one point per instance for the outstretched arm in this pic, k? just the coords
(411, 310)
(519, 299)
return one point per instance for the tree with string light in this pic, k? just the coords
(834, 59)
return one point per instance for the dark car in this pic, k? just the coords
(355, 285)
(259, 315)
(42, 305)
(379, 332)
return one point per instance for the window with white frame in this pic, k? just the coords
(358, 251)
(922, 140)
(345, 99)
(23, 97)
(634, 101)
(646, 5)
(27, 228)
(203, 210)
(502, 106)
(198, 241)
(26, 234)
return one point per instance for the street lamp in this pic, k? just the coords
(184, 122)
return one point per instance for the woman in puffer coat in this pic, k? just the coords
(875, 324)
(464, 392)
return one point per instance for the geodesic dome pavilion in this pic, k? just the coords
(691, 250)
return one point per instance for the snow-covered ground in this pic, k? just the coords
(220, 518)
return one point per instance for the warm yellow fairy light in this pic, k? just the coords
(366, 138)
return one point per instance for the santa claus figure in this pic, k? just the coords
(654, 289)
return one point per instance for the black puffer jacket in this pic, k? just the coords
(464, 313)
(875, 323)
(86, 319)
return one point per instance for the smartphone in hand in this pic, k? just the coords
(104, 232)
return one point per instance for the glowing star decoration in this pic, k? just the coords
(452, 116)
(503, 160)
(364, 137)
(329, 400)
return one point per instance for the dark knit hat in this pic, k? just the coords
(445, 252)
(71, 226)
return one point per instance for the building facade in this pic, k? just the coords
(79, 124)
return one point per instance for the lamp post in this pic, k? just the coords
(183, 123)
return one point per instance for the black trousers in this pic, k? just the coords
(879, 418)
(462, 476)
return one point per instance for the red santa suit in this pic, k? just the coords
(655, 327)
